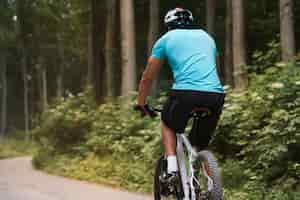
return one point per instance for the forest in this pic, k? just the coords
(69, 72)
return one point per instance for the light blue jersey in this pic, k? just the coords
(191, 53)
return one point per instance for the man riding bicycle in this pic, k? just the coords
(192, 56)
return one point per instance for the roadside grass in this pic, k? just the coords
(137, 176)
(15, 147)
(258, 140)
(117, 173)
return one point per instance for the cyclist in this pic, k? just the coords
(192, 56)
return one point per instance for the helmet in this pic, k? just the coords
(178, 18)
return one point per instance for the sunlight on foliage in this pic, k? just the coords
(257, 140)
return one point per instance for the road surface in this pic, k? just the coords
(19, 181)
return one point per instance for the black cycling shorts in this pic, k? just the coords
(177, 109)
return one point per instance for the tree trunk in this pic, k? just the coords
(228, 45)
(128, 47)
(210, 16)
(3, 68)
(239, 46)
(26, 91)
(60, 73)
(90, 47)
(153, 35)
(110, 47)
(153, 32)
(22, 50)
(59, 82)
(45, 91)
(98, 39)
(42, 79)
(287, 34)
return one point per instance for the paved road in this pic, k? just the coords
(18, 181)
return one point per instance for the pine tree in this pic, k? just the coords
(128, 47)
(239, 46)
(287, 34)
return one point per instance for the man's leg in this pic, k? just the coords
(169, 142)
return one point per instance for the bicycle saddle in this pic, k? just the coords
(200, 112)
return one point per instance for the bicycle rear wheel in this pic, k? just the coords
(161, 191)
(209, 178)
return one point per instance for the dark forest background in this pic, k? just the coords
(69, 73)
(52, 48)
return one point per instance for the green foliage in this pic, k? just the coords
(120, 131)
(261, 127)
(80, 140)
(64, 126)
(6, 25)
(257, 140)
(116, 172)
(262, 60)
(16, 145)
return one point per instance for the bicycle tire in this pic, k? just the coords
(160, 167)
(211, 167)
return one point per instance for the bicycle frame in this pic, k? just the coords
(187, 171)
(186, 168)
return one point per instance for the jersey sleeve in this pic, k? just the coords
(158, 50)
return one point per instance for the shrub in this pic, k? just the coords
(258, 134)
(261, 126)
(65, 125)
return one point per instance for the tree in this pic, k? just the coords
(61, 60)
(22, 51)
(239, 45)
(44, 86)
(210, 16)
(228, 44)
(3, 68)
(42, 69)
(97, 48)
(110, 47)
(90, 46)
(153, 33)
(6, 38)
(128, 47)
(287, 34)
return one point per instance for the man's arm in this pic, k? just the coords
(150, 73)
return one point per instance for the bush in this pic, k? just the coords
(258, 135)
(76, 138)
(119, 131)
(16, 145)
(65, 125)
(263, 60)
(261, 126)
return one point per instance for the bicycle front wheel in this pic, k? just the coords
(162, 191)
(210, 179)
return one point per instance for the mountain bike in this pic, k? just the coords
(199, 178)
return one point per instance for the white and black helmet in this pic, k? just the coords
(178, 18)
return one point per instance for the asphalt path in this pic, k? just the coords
(19, 181)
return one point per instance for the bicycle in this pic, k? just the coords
(190, 163)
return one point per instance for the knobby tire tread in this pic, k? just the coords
(217, 192)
